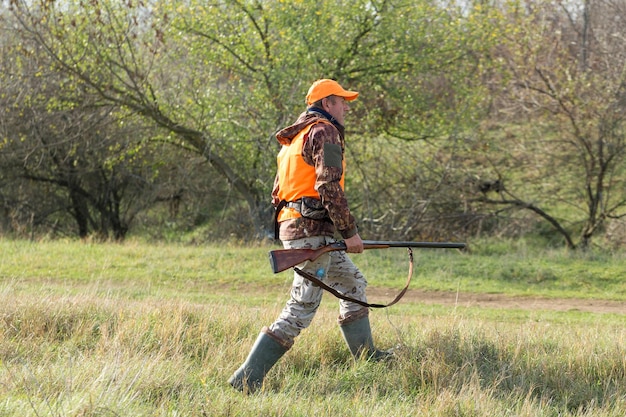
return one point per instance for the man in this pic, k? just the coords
(311, 208)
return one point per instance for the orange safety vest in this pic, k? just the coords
(296, 178)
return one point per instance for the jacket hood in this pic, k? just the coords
(312, 115)
(286, 135)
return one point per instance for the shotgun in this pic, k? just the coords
(282, 259)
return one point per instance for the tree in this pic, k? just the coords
(410, 173)
(559, 143)
(220, 77)
(66, 153)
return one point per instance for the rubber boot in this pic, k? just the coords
(264, 354)
(358, 336)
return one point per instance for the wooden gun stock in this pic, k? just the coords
(282, 259)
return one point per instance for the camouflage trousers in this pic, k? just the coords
(337, 271)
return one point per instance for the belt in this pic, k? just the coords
(297, 205)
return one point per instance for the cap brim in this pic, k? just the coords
(349, 95)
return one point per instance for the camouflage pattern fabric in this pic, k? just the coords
(323, 149)
(336, 270)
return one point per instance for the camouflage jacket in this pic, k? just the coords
(327, 182)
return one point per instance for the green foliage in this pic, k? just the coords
(219, 78)
(453, 95)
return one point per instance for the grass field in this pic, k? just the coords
(140, 329)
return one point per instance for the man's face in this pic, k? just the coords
(336, 107)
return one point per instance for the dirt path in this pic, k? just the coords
(378, 295)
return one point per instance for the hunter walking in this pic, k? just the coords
(311, 208)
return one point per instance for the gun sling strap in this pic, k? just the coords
(337, 294)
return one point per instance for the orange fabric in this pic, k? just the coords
(296, 178)
(325, 87)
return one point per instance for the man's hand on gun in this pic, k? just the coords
(354, 244)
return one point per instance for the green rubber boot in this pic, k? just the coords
(358, 336)
(264, 354)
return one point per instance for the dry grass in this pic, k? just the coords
(86, 356)
(70, 347)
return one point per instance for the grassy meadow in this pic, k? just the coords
(140, 329)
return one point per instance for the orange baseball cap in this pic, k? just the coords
(324, 88)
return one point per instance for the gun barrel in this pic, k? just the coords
(396, 244)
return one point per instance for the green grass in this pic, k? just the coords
(156, 330)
